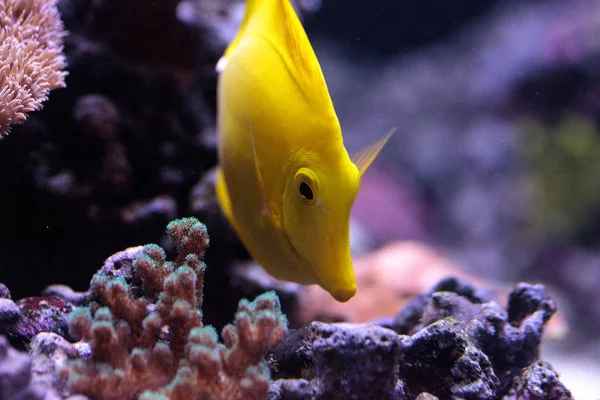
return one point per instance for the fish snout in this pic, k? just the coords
(344, 293)
(339, 282)
(333, 267)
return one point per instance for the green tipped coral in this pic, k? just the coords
(146, 334)
(565, 169)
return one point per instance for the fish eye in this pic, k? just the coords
(306, 186)
(306, 191)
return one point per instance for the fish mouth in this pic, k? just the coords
(340, 293)
(287, 237)
(299, 260)
(291, 245)
(344, 294)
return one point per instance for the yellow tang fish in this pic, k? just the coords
(285, 180)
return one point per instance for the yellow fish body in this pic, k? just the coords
(285, 180)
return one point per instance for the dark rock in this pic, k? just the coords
(15, 376)
(338, 363)
(250, 279)
(426, 396)
(512, 343)
(288, 360)
(462, 288)
(411, 317)
(161, 209)
(440, 360)
(292, 389)
(67, 293)
(538, 381)
(509, 339)
(364, 358)
(462, 346)
(9, 315)
(442, 305)
(121, 265)
(203, 197)
(40, 314)
(4, 292)
(527, 299)
(97, 115)
(49, 352)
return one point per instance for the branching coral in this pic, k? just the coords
(146, 333)
(31, 59)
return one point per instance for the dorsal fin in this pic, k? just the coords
(276, 20)
(251, 9)
(365, 156)
(302, 61)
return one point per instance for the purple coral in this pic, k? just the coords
(146, 333)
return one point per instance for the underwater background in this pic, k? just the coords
(491, 176)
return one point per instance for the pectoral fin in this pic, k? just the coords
(259, 179)
(365, 156)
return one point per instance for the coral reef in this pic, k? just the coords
(32, 62)
(145, 330)
(112, 159)
(449, 343)
(41, 314)
(126, 148)
(143, 337)
(117, 155)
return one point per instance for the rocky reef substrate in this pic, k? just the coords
(452, 342)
